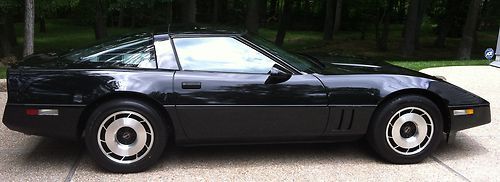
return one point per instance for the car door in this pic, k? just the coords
(228, 91)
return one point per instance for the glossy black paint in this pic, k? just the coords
(235, 106)
(207, 107)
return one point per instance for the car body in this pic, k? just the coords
(266, 96)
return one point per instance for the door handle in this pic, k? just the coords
(191, 85)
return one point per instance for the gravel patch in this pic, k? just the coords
(3, 85)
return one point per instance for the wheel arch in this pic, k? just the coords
(90, 108)
(435, 98)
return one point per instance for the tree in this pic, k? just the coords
(8, 9)
(101, 19)
(416, 11)
(29, 27)
(273, 7)
(215, 11)
(385, 19)
(445, 23)
(45, 8)
(329, 21)
(284, 21)
(338, 16)
(465, 49)
(188, 11)
(253, 18)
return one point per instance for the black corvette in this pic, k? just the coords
(128, 97)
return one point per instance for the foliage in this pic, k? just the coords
(47, 7)
(7, 6)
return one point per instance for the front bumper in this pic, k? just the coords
(481, 116)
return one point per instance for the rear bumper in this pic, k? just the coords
(65, 125)
(481, 116)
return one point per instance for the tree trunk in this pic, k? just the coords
(411, 27)
(263, 10)
(284, 21)
(273, 6)
(5, 46)
(100, 27)
(29, 27)
(252, 20)
(328, 27)
(386, 20)
(422, 9)
(188, 11)
(121, 17)
(445, 24)
(42, 25)
(338, 16)
(215, 11)
(10, 32)
(465, 50)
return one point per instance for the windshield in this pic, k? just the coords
(296, 61)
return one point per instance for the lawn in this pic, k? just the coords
(63, 35)
(419, 65)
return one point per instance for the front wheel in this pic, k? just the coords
(126, 136)
(406, 129)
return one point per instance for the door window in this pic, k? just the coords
(220, 54)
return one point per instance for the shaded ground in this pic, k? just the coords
(475, 155)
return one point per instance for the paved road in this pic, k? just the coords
(475, 156)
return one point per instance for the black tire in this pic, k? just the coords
(111, 112)
(382, 138)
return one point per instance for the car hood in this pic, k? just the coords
(347, 66)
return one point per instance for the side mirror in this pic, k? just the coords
(278, 74)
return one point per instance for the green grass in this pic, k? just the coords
(419, 65)
(3, 72)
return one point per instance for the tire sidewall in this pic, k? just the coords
(108, 108)
(377, 134)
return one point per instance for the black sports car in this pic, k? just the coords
(126, 98)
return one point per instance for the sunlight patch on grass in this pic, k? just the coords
(419, 65)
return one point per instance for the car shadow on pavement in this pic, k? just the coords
(53, 152)
(463, 146)
(258, 155)
(48, 150)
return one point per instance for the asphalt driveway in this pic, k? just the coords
(475, 155)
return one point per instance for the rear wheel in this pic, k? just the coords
(126, 136)
(406, 129)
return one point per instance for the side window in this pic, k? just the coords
(165, 53)
(135, 53)
(220, 54)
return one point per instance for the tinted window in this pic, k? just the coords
(299, 62)
(220, 54)
(129, 52)
(165, 53)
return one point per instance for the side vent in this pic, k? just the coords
(346, 119)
